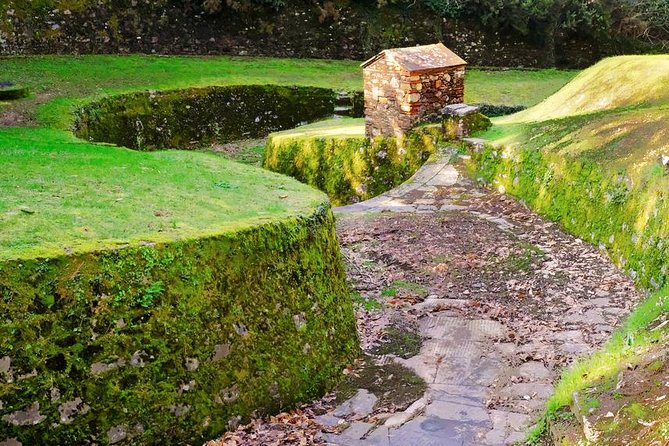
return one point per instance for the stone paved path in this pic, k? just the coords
(509, 300)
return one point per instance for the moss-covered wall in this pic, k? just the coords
(338, 29)
(349, 169)
(622, 211)
(171, 343)
(192, 117)
(353, 169)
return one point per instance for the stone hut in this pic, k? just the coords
(403, 85)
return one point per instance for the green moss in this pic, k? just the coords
(400, 342)
(173, 340)
(395, 385)
(636, 410)
(410, 287)
(456, 127)
(366, 303)
(336, 158)
(523, 261)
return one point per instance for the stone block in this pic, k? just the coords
(360, 405)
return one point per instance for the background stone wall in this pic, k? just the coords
(297, 29)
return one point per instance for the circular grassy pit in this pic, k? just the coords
(10, 91)
(197, 116)
(158, 298)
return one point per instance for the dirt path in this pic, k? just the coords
(479, 297)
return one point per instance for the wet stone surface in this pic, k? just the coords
(501, 299)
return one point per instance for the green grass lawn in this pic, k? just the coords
(329, 128)
(60, 194)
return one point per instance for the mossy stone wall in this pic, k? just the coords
(193, 117)
(627, 218)
(286, 28)
(349, 170)
(172, 343)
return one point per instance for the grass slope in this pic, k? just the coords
(615, 82)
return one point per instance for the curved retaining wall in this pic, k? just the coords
(604, 208)
(196, 116)
(349, 170)
(353, 169)
(172, 343)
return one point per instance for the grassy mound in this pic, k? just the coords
(601, 175)
(62, 195)
(154, 297)
(615, 82)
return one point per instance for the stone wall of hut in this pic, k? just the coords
(396, 100)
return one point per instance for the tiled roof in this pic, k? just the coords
(419, 58)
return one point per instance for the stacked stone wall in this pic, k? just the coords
(435, 90)
(297, 29)
(382, 109)
(395, 99)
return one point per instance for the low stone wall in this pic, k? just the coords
(172, 343)
(353, 169)
(197, 116)
(625, 217)
(355, 30)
